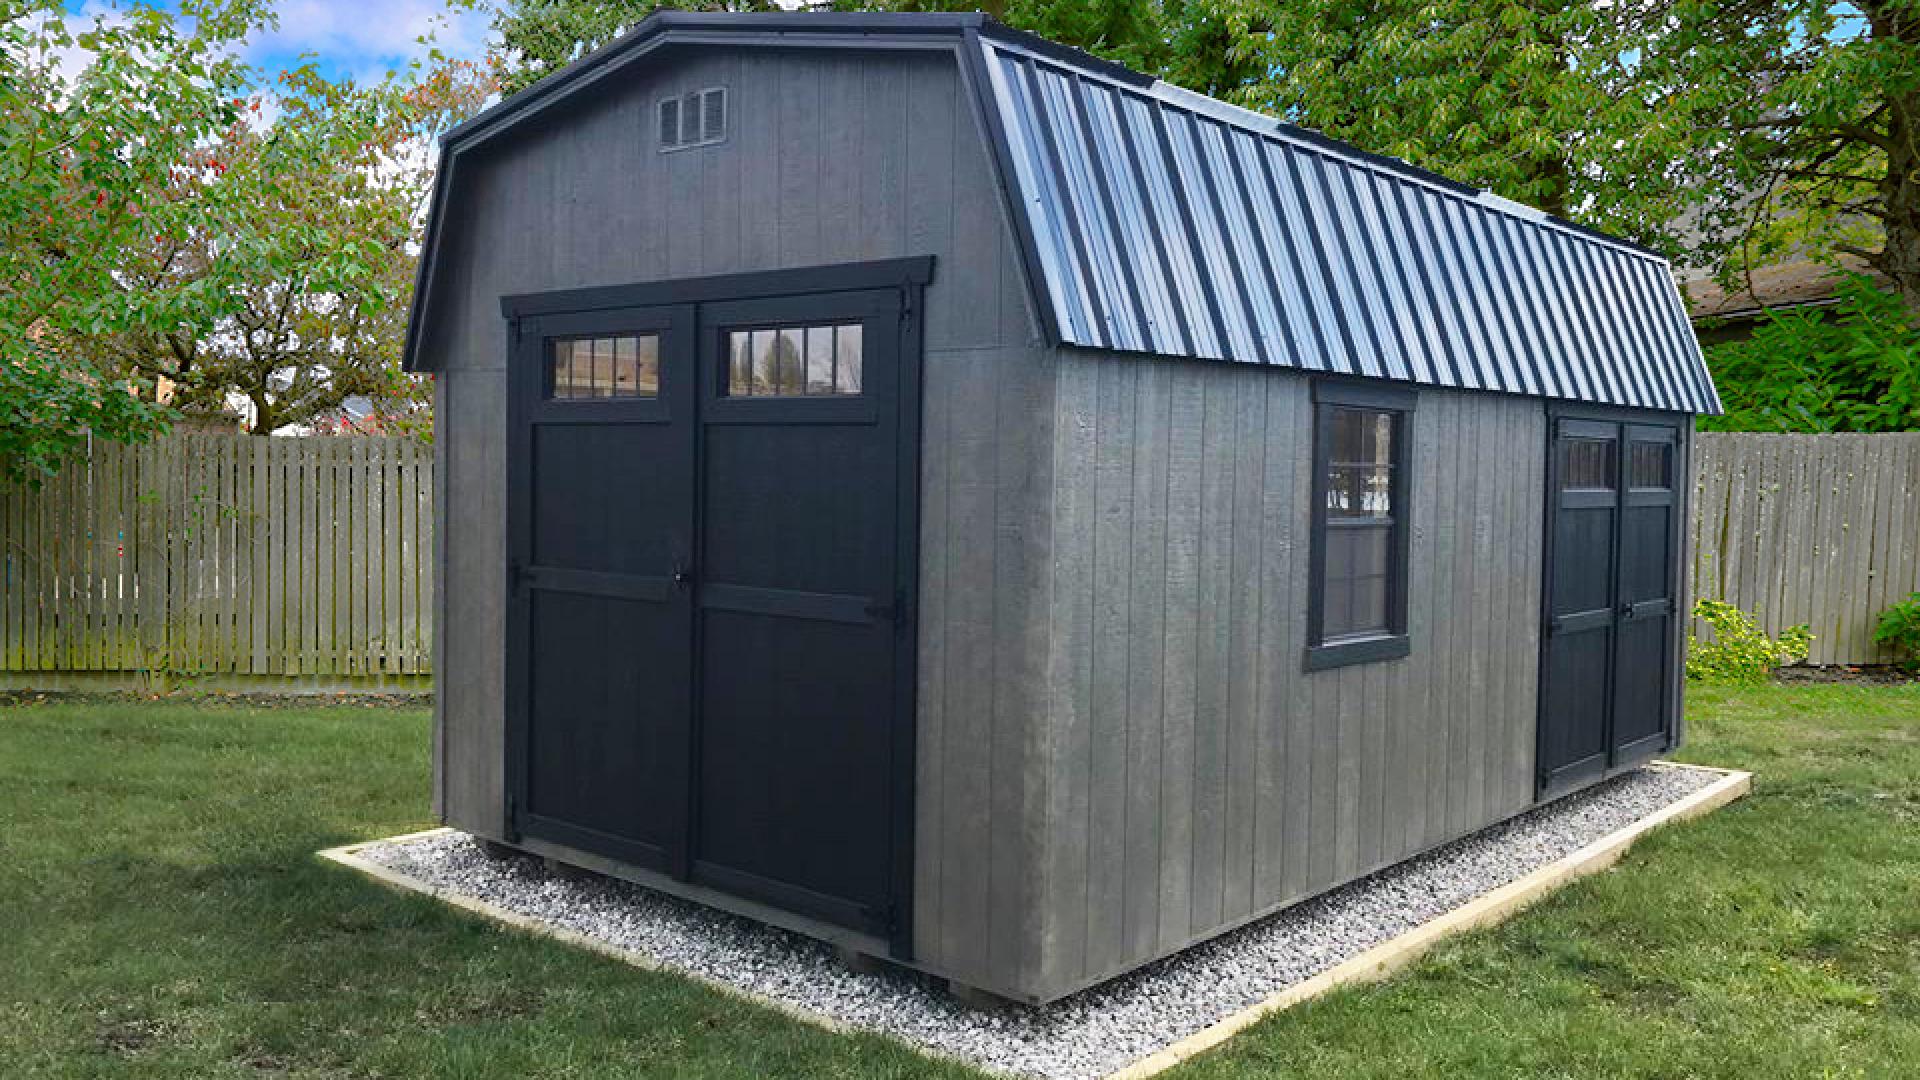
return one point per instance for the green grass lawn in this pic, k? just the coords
(161, 915)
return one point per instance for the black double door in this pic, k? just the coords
(1609, 695)
(708, 607)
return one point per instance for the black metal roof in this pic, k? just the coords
(1157, 220)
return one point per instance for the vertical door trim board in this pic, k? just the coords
(911, 276)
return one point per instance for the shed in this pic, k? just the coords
(916, 484)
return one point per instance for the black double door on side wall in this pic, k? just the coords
(707, 609)
(1608, 694)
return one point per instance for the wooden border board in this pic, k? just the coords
(1372, 965)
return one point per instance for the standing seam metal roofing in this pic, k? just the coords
(1162, 221)
(1158, 220)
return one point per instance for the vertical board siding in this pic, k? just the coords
(1815, 529)
(1197, 775)
(210, 556)
(804, 178)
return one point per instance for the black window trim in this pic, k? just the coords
(1321, 654)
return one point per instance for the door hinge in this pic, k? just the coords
(906, 302)
(516, 577)
(513, 817)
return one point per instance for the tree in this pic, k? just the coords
(1726, 132)
(86, 159)
(1854, 369)
(1178, 40)
(1521, 97)
(311, 265)
(1804, 126)
(539, 37)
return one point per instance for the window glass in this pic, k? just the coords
(1358, 561)
(847, 346)
(1357, 528)
(1586, 464)
(794, 361)
(588, 368)
(1360, 463)
(819, 359)
(1650, 465)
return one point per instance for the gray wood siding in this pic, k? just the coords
(1196, 776)
(831, 158)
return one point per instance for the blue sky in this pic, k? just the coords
(359, 38)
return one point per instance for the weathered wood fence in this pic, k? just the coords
(307, 563)
(224, 560)
(1816, 529)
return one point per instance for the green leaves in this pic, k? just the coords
(160, 241)
(87, 154)
(1852, 368)
(1739, 651)
(1899, 629)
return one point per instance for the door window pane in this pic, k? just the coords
(1650, 465)
(1586, 464)
(602, 368)
(794, 361)
(847, 346)
(792, 351)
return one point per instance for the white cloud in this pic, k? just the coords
(369, 37)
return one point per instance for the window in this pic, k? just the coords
(1650, 465)
(1357, 608)
(603, 368)
(696, 118)
(1586, 464)
(794, 361)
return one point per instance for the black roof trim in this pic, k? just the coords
(1066, 54)
(780, 23)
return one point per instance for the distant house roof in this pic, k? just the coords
(1793, 283)
(1161, 221)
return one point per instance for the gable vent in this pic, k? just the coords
(696, 118)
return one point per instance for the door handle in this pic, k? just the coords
(682, 575)
(1626, 611)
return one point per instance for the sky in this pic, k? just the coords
(363, 39)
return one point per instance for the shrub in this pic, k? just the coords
(1739, 652)
(1900, 629)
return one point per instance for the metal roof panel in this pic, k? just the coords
(1171, 223)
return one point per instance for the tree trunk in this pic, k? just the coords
(1899, 256)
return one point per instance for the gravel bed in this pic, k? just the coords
(1090, 1033)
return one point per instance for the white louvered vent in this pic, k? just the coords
(696, 118)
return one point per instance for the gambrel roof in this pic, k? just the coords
(1156, 220)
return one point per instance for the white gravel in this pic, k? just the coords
(1090, 1033)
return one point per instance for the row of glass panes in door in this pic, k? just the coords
(794, 361)
(782, 361)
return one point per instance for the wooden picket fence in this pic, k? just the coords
(306, 563)
(1815, 529)
(223, 561)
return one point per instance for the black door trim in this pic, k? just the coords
(528, 315)
(1620, 421)
(841, 277)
